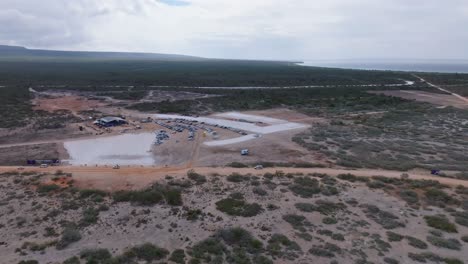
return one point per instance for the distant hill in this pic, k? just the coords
(22, 53)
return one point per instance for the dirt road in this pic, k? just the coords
(464, 99)
(139, 177)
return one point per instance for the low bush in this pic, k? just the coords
(178, 256)
(409, 196)
(353, 178)
(305, 187)
(153, 195)
(417, 243)
(147, 252)
(70, 235)
(96, 255)
(47, 188)
(449, 243)
(238, 207)
(280, 246)
(259, 191)
(394, 237)
(329, 220)
(296, 221)
(440, 222)
(386, 219)
(235, 177)
(197, 178)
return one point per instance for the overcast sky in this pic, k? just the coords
(253, 29)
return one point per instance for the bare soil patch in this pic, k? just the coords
(433, 98)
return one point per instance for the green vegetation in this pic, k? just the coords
(386, 219)
(450, 243)
(197, 178)
(328, 250)
(147, 252)
(153, 195)
(70, 235)
(394, 237)
(280, 246)
(237, 206)
(234, 245)
(417, 243)
(47, 188)
(440, 222)
(178, 256)
(298, 222)
(429, 256)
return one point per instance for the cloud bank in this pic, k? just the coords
(254, 29)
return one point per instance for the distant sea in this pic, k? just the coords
(445, 66)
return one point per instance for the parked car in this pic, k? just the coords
(259, 167)
(44, 166)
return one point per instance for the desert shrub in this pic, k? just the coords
(72, 260)
(259, 191)
(50, 232)
(390, 260)
(90, 216)
(28, 262)
(464, 238)
(338, 237)
(305, 207)
(461, 218)
(237, 165)
(238, 207)
(305, 187)
(438, 196)
(153, 195)
(328, 250)
(235, 177)
(197, 178)
(85, 193)
(352, 178)
(329, 208)
(417, 243)
(386, 219)
(409, 196)
(69, 236)
(296, 221)
(193, 214)
(449, 243)
(47, 188)
(147, 252)
(376, 184)
(429, 256)
(178, 256)
(206, 249)
(392, 236)
(440, 222)
(260, 259)
(329, 220)
(280, 246)
(238, 237)
(96, 255)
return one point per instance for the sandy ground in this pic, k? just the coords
(66, 101)
(124, 225)
(137, 177)
(433, 98)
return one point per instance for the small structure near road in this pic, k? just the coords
(244, 152)
(110, 121)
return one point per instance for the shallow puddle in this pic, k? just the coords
(127, 149)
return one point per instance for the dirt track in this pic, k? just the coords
(139, 177)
